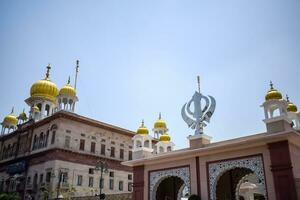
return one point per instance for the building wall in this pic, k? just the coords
(295, 158)
(168, 163)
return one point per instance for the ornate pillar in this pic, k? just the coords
(138, 183)
(281, 168)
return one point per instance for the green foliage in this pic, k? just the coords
(6, 196)
(194, 197)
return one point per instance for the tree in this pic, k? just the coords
(5, 196)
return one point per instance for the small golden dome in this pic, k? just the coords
(291, 107)
(68, 89)
(165, 137)
(44, 88)
(35, 109)
(142, 130)
(11, 119)
(273, 93)
(22, 116)
(160, 123)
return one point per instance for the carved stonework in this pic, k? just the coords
(217, 169)
(156, 177)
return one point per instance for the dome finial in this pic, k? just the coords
(271, 85)
(76, 74)
(287, 98)
(142, 123)
(48, 71)
(69, 80)
(198, 81)
(159, 116)
(12, 110)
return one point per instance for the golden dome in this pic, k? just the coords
(160, 123)
(273, 93)
(165, 137)
(35, 109)
(11, 119)
(291, 107)
(22, 116)
(142, 129)
(44, 88)
(68, 89)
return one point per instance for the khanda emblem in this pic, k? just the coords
(198, 118)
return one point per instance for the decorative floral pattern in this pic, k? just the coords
(157, 177)
(216, 170)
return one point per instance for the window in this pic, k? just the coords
(81, 147)
(111, 174)
(91, 170)
(111, 184)
(112, 152)
(101, 183)
(64, 177)
(48, 177)
(53, 137)
(102, 149)
(129, 187)
(79, 180)
(130, 155)
(129, 176)
(91, 181)
(93, 147)
(122, 154)
(67, 141)
(41, 178)
(28, 180)
(121, 185)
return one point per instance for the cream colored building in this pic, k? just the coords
(54, 151)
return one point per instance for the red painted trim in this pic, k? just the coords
(138, 182)
(198, 176)
(281, 167)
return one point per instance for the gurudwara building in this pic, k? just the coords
(52, 151)
(256, 167)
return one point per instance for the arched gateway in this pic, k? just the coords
(178, 177)
(237, 168)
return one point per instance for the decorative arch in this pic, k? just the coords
(217, 169)
(156, 177)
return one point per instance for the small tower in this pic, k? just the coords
(9, 123)
(275, 109)
(43, 94)
(142, 143)
(160, 127)
(67, 97)
(164, 144)
(22, 117)
(293, 114)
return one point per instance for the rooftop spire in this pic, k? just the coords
(48, 71)
(287, 98)
(271, 85)
(142, 123)
(76, 74)
(159, 116)
(198, 80)
(69, 80)
(12, 110)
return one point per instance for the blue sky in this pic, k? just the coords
(139, 58)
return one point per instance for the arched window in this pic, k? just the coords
(161, 149)
(47, 109)
(34, 142)
(169, 148)
(147, 143)
(46, 139)
(39, 106)
(138, 143)
(41, 140)
(3, 152)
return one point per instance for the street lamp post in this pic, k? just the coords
(103, 168)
